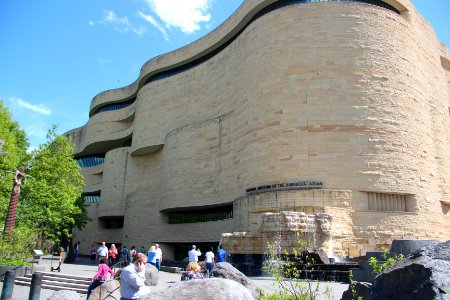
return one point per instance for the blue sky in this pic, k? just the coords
(57, 55)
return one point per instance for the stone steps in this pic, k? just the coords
(58, 281)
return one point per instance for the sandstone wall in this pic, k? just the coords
(349, 94)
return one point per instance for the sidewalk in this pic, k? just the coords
(83, 267)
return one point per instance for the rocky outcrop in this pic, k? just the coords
(356, 290)
(108, 290)
(206, 289)
(425, 274)
(64, 295)
(151, 275)
(226, 270)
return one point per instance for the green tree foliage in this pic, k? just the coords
(15, 145)
(52, 200)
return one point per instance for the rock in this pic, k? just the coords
(206, 289)
(64, 295)
(425, 274)
(110, 289)
(226, 270)
(151, 275)
(362, 289)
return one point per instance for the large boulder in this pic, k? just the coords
(108, 290)
(64, 295)
(226, 270)
(425, 274)
(356, 290)
(151, 275)
(206, 289)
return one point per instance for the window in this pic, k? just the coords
(90, 161)
(112, 222)
(201, 215)
(387, 202)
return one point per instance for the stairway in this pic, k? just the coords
(58, 281)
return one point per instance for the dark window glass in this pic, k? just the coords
(90, 161)
(201, 215)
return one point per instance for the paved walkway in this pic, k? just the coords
(84, 268)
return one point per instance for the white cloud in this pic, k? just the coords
(152, 21)
(122, 25)
(41, 109)
(182, 14)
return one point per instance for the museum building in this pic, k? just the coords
(327, 117)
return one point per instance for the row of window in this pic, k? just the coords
(200, 60)
(204, 215)
(90, 161)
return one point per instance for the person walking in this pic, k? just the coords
(102, 251)
(221, 254)
(194, 254)
(133, 278)
(132, 252)
(125, 257)
(112, 255)
(76, 249)
(101, 276)
(151, 256)
(209, 260)
(93, 254)
(158, 257)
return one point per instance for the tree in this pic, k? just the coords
(52, 200)
(16, 146)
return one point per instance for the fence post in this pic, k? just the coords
(35, 289)
(8, 284)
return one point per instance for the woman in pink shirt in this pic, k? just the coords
(101, 275)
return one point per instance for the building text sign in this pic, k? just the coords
(299, 185)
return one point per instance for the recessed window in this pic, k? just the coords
(90, 161)
(112, 222)
(388, 202)
(201, 215)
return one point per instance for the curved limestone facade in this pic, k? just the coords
(333, 108)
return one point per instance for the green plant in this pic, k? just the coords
(20, 247)
(379, 266)
(291, 271)
(352, 287)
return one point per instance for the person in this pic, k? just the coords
(194, 254)
(101, 276)
(132, 252)
(221, 254)
(133, 278)
(102, 251)
(209, 260)
(151, 256)
(112, 255)
(158, 257)
(193, 271)
(76, 249)
(142, 250)
(93, 254)
(125, 257)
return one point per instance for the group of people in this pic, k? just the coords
(132, 277)
(193, 269)
(133, 274)
(113, 254)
